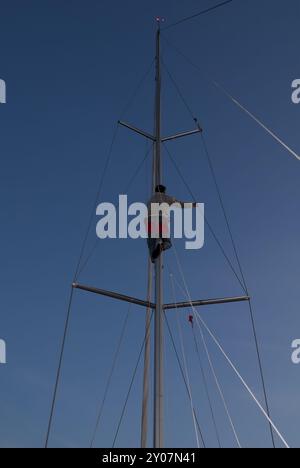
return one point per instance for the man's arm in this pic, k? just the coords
(172, 200)
(186, 204)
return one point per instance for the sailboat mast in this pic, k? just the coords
(159, 318)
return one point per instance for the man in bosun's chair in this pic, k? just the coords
(159, 221)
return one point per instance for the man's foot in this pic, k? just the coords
(167, 244)
(158, 250)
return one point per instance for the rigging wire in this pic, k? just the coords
(195, 119)
(107, 162)
(147, 353)
(97, 197)
(67, 322)
(257, 120)
(206, 220)
(53, 403)
(131, 383)
(206, 389)
(183, 376)
(234, 246)
(222, 204)
(252, 321)
(213, 371)
(81, 255)
(251, 312)
(258, 352)
(185, 361)
(216, 341)
(111, 373)
(236, 102)
(137, 89)
(219, 388)
(185, 102)
(203, 12)
(204, 380)
(130, 184)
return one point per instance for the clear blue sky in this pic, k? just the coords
(70, 67)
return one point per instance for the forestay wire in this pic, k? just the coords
(235, 101)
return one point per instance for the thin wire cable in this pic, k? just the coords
(66, 327)
(98, 194)
(81, 255)
(220, 197)
(236, 102)
(244, 286)
(261, 368)
(206, 389)
(130, 184)
(257, 120)
(235, 370)
(186, 104)
(102, 179)
(187, 377)
(232, 425)
(185, 362)
(58, 374)
(138, 87)
(234, 246)
(203, 12)
(258, 353)
(188, 295)
(131, 384)
(139, 168)
(206, 221)
(195, 119)
(111, 373)
(243, 381)
(213, 173)
(183, 376)
(204, 380)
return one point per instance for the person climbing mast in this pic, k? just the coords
(158, 222)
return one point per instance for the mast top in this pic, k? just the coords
(159, 20)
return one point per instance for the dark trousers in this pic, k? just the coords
(157, 246)
(160, 244)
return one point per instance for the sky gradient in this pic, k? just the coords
(70, 68)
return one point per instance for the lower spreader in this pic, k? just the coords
(179, 305)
